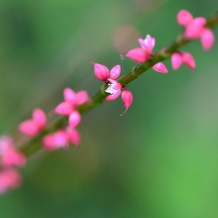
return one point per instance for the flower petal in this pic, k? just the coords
(160, 67)
(138, 55)
(176, 60)
(184, 17)
(115, 72)
(101, 71)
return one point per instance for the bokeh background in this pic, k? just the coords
(158, 160)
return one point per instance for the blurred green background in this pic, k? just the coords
(158, 160)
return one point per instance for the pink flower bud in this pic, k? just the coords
(48, 142)
(35, 125)
(60, 139)
(101, 72)
(114, 87)
(160, 67)
(74, 119)
(138, 55)
(115, 72)
(6, 142)
(148, 44)
(81, 97)
(29, 128)
(69, 95)
(39, 117)
(188, 60)
(207, 38)
(127, 99)
(74, 136)
(11, 157)
(176, 60)
(9, 178)
(64, 108)
(184, 17)
(113, 96)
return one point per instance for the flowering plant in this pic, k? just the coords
(63, 132)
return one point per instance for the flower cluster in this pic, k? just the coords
(61, 137)
(195, 28)
(9, 159)
(143, 54)
(34, 126)
(114, 88)
(69, 134)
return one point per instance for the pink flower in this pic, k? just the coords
(114, 89)
(207, 38)
(56, 140)
(144, 53)
(73, 136)
(160, 67)
(35, 125)
(9, 178)
(72, 100)
(127, 99)
(102, 72)
(138, 55)
(9, 156)
(74, 119)
(147, 44)
(178, 58)
(61, 139)
(195, 28)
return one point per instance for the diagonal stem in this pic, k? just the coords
(34, 144)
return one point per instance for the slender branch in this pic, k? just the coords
(33, 145)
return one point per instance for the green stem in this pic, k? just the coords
(33, 145)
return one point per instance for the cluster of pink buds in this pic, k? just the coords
(195, 28)
(143, 54)
(34, 126)
(9, 159)
(115, 89)
(62, 137)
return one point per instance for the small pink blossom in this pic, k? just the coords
(81, 97)
(103, 73)
(6, 142)
(160, 67)
(138, 55)
(184, 17)
(195, 29)
(73, 136)
(176, 60)
(11, 157)
(35, 125)
(207, 38)
(9, 178)
(188, 60)
(144, 53)
(113, 96)
(114, 89)
(72, 100)
(56, 140)
(61, 139)
(147, 44)
(74, 119)
(8, 155)
(127, 99)
(183, 57)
